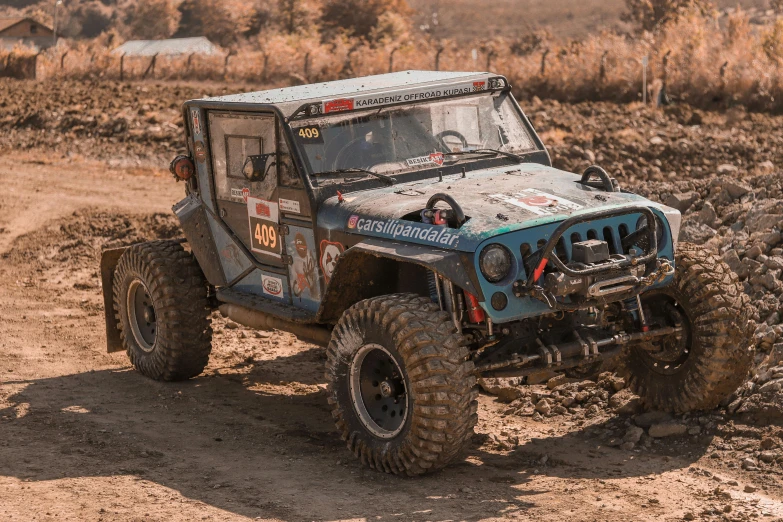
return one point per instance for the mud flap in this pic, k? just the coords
(109, 260)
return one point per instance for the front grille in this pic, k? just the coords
(601, 230)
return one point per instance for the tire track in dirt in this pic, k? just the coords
(84, 437)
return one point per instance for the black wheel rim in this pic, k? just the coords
(378, 391)
(674, 350)
(141, 315)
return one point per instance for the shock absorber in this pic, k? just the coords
(633, 305)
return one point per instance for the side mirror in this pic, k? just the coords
(255, 167)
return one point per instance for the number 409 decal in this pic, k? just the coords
(263, 218)
(311, 134)
(266, 235)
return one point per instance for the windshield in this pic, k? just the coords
(412, 137)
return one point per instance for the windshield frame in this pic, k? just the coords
(538, 153)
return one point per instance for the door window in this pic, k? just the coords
(233, 138)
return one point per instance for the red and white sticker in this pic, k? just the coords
(196, 121)
(272, 285)
(538, 202)
(403, 96)
(338, 105)
(263, 217)
(242, 193)
(289, 205)
(436, 158)
(330, 253)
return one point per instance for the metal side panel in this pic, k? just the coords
(303, 271)
(232, 258)
(265, 284)
(195, 222)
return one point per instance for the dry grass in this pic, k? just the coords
(709, 65)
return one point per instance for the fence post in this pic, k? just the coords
(190, 62)
(150, 67)
(663, 97)
(62, 60)
(602, 70)
(122, 67)
(438, 51)
(225, 65)
(307, 66)
(543, 61)
(266, 67)
(391, 59)
(490, 55)
(723, 77)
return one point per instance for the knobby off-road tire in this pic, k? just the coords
(719, 340)
(163, 277)
(438, 379)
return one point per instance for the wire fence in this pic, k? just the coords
(694, 61)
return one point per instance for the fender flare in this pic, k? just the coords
(452, 265)
(109, 260)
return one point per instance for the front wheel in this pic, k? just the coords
(160, 301)
(710, 357)
(400, 385)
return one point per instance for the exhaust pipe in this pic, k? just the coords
(260, 321)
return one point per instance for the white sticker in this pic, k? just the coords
(272, 285)
(436, 158)
(404, 96)
(538, 202)
(289, 205)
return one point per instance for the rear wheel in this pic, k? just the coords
(160, 299)
(710, 357)
(400, 385)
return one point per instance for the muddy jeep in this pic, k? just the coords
(413, 225)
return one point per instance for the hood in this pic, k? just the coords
(495, 201)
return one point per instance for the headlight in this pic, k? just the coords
(495, 262)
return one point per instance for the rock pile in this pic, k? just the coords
(741, 220)
(561, 395)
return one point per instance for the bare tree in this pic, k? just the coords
(648, 15)
(152, 19)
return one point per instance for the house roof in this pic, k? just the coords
(288, 99)
(170, 47)
(10, 21)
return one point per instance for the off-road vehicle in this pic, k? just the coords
(413, 225)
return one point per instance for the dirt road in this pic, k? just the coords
(84, 437)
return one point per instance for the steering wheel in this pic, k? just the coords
(454, 134)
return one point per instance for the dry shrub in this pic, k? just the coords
(709, 65)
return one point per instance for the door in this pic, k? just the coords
(247, 203)
(262, 199)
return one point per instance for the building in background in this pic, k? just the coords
(26, 32)
(170, 47)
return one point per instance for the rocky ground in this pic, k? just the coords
(83, 438)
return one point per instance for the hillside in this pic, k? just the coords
(469, 19)
(459, 20)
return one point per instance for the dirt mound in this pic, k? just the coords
(77, 241)
(101, 119)
(636, 143)
(142, 122)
